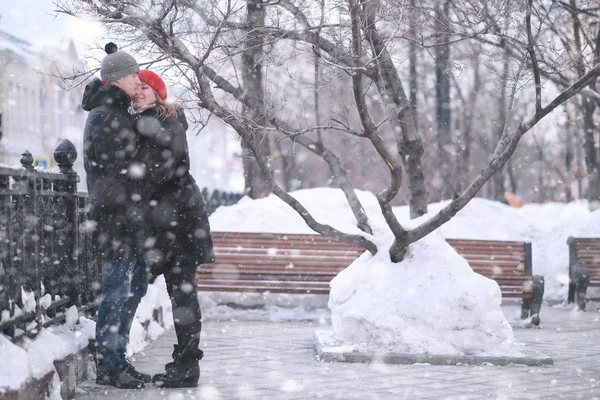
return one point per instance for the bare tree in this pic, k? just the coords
(442, 91)
(359, 46)
(567, 48)
(252, 59)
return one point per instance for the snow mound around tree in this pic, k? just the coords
(430, 303)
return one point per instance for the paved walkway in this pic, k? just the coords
(266, 360)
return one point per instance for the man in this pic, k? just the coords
(110, 145)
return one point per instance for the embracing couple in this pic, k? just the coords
(148, 214)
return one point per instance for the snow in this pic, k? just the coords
(35, 358)
(432, 302)
(547, 226)
(12, 373)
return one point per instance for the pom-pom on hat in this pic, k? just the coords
(117, 64)
(155, 81)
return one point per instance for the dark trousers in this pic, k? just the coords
(124, 283)
(181, 285)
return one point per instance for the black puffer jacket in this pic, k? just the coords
(110, 145)
(177, 212)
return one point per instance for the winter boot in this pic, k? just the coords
(140, 376)
(182, 372)
(120, 377)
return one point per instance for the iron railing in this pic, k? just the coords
(219, 198)
(47, 262)
(47, 258)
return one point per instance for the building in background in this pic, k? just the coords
(36, 112)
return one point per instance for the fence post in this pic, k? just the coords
(65, 155)
(29, 240)
(5, 244)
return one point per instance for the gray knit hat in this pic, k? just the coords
(117, 64)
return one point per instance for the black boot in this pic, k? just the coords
(120, 377)
(140, 376)
(182, 372)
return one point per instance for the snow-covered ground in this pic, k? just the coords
(34, 358)
(430, 303)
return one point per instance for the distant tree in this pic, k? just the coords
(253, 88)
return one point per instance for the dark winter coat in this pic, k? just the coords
(177, 213)
(110, 145)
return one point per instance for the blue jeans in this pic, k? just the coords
(124, 283)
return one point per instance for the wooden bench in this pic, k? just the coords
(509, 263)
(296, 263)
(276, 263)
(584, 268)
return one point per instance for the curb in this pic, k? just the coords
(329, 351)
(71, 370)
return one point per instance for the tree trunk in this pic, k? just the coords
(568, 160)
(412, 63)
(442, 93)
(589, 106)
(541, 171)
(511, 176)
(463, 145)
(410, 145)
(591, 157)
(256, 184)
(498, 193)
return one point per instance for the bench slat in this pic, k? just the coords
(276, 251)
(214, 288)
(285, 263)
(268, 275)
(288, 245)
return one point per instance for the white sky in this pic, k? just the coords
(36, 22)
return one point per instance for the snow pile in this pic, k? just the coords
(483, 219)
(14, 373)
(145, 328)
(35, 358)
(270, 214)
(432, 303)
(551, 224)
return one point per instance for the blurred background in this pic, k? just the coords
(39, 105)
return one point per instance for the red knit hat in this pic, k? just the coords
(155, 81)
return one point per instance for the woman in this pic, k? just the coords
(177, 216)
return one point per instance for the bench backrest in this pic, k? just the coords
(288, 263)
(585, 252)
(297, 263)
(509, 263)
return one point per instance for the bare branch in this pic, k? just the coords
(295, 11)
(534, 62)
(503, 152)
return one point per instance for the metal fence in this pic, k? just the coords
(47, 260)
(219, 198)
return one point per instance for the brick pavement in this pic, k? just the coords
(268, 360)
